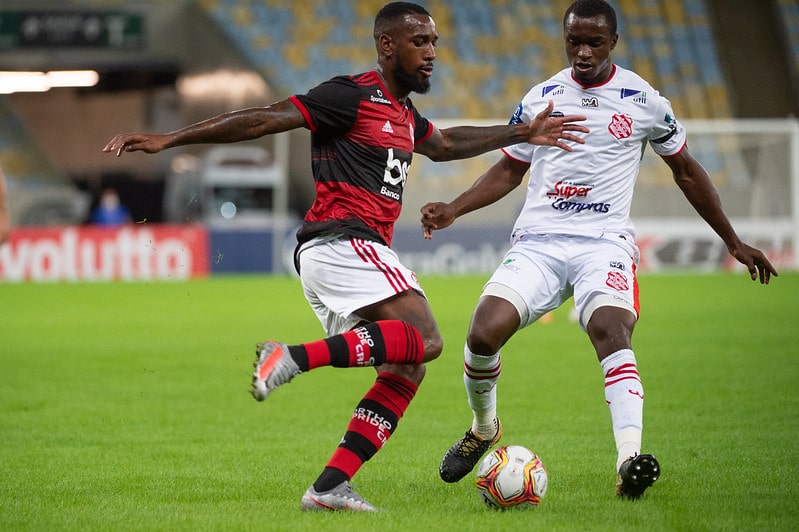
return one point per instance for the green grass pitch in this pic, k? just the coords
(127, 407)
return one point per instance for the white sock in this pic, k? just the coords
(625, 397)
(480, 375)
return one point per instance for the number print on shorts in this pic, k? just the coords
(617, 281)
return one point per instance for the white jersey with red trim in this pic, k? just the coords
(589, 191)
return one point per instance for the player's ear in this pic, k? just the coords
(385, 45)
(614, 41)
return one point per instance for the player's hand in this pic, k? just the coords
(436, 215)
(546, 130)
(755, 261)
(146, 142)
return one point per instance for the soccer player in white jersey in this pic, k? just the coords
(574, 236)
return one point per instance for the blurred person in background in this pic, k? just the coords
(574, 237)
(110, 211)
(364, 131)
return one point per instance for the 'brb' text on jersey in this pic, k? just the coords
(362, 142)
(589, 191)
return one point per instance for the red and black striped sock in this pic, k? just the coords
(373, 344)
(373, 422)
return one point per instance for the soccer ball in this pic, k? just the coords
(511, 476)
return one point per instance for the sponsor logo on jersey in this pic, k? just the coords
(387, 127)
(636, 95)
(396, 172)
(394, 175)
(553, 90)
(508, 265)
(385, 191)
(563, 191)
(671, 122)
(590, 102)
(617, 265)
(566, 189)
(561, 204)
(621, 126)
(380, 98)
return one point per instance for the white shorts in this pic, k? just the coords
(541, 272)
(342, 274)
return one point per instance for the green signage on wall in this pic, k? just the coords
(74, 29)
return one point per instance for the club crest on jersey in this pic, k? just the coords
(621, 126)
(617, 281)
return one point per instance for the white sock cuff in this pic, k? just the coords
(619, 358)
(480, 362)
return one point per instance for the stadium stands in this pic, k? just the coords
(490, 50)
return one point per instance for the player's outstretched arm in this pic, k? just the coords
(697, 187)
(234, 126)
(462, 142)
(504, 176)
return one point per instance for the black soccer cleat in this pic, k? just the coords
(635, 475)
(461, 458)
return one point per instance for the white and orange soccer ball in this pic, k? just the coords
(512, 476)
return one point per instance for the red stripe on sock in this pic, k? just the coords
(630, 378)
(403, 342)
(393, 391)
(318, 354)
(623, 372)
(345, 460)
(482, 374)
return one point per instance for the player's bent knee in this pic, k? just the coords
(611, 329)
(481, 343)
(433, 346)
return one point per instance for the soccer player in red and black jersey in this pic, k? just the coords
(364, 131)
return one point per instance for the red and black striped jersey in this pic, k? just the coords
(362, 142)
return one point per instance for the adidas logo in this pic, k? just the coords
(387, 127)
